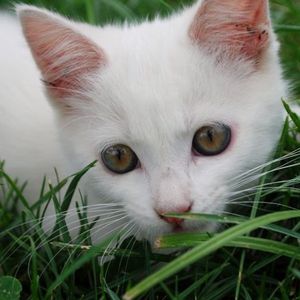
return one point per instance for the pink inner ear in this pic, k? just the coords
(234, 27)
(63, 55)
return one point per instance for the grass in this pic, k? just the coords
(255, 257)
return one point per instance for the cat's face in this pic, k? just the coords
(173, 115)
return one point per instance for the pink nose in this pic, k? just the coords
(175, 221)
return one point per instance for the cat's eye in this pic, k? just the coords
(212, 139)
(119, 159)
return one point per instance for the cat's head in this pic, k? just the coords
(175, 110)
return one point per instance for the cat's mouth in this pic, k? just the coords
(184, 227)
(190, 226)
(178, 229)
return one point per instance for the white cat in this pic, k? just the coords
(174, 109)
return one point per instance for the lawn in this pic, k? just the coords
(256, 256)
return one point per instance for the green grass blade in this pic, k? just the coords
(295, 118)
(60, 229)
(18, 192)
(93, 252)
(49, 194)
(90, 11)
(120, 8)
(62, 210)
(73, 185)
(34, 275)
(206, 248)
(293, 28)
(240, 276)
(296, 273)
(174, 241)
(183, 295)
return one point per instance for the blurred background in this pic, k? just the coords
(285, 15)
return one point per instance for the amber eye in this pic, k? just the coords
(212, 139)
(119, 159)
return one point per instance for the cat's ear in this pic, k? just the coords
(64, 56)
(233, 28)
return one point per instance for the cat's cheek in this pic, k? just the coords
(210, 198)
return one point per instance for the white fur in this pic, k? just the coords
(156, 90)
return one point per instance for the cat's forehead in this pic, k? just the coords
(159, 83)
(145, 112)
(174, 84)
(161, 65)
(163, 94)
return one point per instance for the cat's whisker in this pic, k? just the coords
(60, 232)
(115, 215)
(290, 163)
(46, 218)
(101, 228)
(272, 186)
(250, 204)
(125, 233)
(73, 251)
(291, 154)
(248, 194)
(265, 189)
(69, 213)
(258, 176)
(113, 241)
(131, 233)
(125, 230)
(233, 200)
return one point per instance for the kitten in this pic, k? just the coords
(175, 110)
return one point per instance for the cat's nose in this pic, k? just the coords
(175, 221)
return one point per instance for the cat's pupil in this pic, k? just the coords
(119, 154)
(210, 135)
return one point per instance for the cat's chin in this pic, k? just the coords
(178, 229)
(194, 226)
